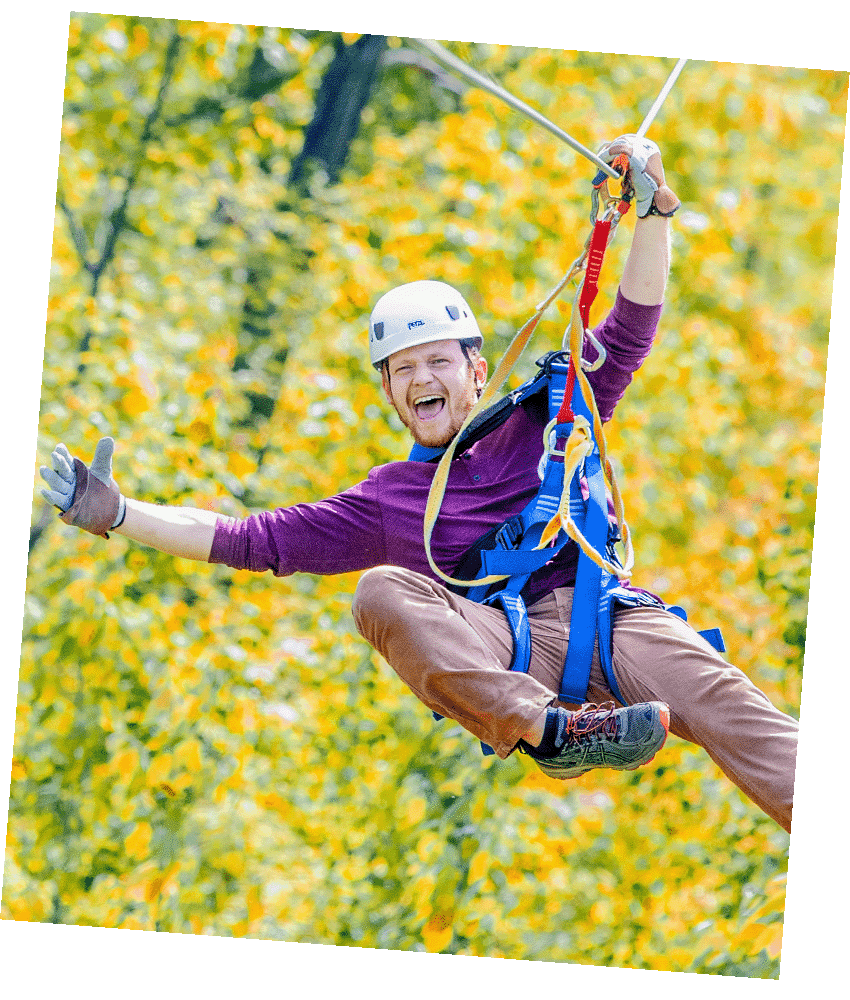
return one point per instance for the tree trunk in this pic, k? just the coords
(343, 94)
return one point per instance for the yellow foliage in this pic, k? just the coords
(437, 932)
(160, 769)
(232, 862)
(479, 866)
(188, 756)
(240, 464)
(137, 844)
(256, 910)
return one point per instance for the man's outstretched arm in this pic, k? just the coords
(89, 498)
(180, 531)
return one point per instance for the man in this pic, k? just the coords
(454, 653)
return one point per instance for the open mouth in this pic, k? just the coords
(429, 407)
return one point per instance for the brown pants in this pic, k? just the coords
(454, 655)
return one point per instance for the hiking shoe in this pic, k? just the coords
(604, 736)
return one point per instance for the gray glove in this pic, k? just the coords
(645, 174)
(89, 498)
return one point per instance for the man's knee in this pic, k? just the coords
(376, 593)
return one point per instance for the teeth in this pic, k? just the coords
(426, 399)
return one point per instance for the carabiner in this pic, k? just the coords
(591, 366)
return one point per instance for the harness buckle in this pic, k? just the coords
(510, 533)
(551, 361)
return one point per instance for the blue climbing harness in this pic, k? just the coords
(510, 549)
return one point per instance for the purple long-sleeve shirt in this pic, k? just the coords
(379, 521)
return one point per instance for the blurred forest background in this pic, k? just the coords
(210, 752)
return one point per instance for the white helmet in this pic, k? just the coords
(419, 312)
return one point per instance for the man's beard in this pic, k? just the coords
(429, 441)
(421, 435)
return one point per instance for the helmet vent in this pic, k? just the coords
(453, 312)
(378, 329)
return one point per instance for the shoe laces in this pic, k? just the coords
(590, 722)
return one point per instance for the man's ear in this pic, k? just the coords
(480, 369)
(385, 382)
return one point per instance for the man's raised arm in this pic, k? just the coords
(645, 273)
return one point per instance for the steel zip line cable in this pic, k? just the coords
(662, 97)
(447, 58)
(444, 56)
